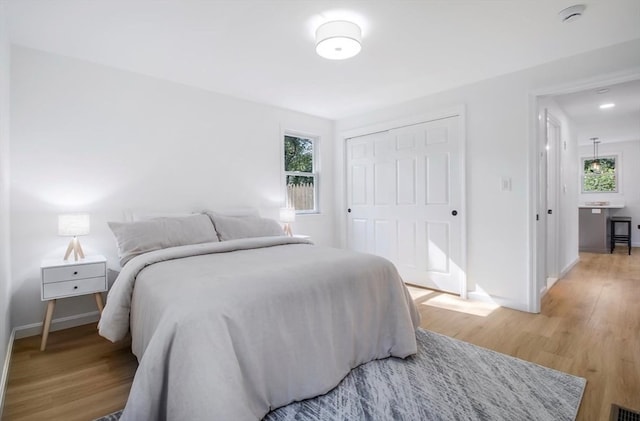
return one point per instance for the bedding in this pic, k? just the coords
(135, 238)
(231, 330)
(234, 228)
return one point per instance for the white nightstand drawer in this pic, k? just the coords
(63, 273)
(72, 288)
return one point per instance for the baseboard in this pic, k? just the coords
(568, 268)
(5, 371)
(544, 290)
(34, 329)
(598, 250)
(501, 301)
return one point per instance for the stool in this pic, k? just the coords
(620, 238)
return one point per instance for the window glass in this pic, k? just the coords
(599, 175)
(300, 177)
(298, 154)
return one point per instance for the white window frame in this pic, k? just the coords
(315, 140)
(618, 159)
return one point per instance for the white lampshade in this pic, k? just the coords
(338, 40)
(287, 215)
(73, 224)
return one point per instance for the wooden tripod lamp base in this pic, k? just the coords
(74, 245)
(287, 216)
(73, 225)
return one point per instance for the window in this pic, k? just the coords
(600, 175)
(300, 173)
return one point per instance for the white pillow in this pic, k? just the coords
(233, 228)
(135, 238)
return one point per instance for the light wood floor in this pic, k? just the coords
(81, 376)
(589, 326)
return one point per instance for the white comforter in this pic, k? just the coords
(231, 330)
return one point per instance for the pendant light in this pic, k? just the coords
(595, 164)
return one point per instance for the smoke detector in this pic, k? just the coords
(572, 13)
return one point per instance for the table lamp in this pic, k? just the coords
(287, 216)
(73, 225)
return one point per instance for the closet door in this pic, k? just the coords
(404, 192)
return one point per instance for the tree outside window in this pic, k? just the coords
(300, 174)
(600, 178)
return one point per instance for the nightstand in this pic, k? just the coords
(71, 278)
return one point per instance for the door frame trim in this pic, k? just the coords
(343, 136)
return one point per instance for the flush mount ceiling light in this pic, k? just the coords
(571, 13)
(609, 105)
(338, 40)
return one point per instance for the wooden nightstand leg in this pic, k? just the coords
(99, 302)
(47, 324)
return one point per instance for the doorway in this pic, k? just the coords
(575, 116)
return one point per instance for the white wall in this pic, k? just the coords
(498, 124)
(629, 181)
(568, 222)
(86, 137)
(5, 271)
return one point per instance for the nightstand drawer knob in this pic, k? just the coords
(75, 287)
(75, 273)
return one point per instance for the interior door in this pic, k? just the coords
(553, 159)
(541, 227)
(404, 192)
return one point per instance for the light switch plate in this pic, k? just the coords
(505, 183)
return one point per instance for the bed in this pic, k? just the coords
(231, 328)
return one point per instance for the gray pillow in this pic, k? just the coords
(233, 228)
(135, 238)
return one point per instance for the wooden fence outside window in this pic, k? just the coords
(301, 196)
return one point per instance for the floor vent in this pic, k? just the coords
(619, 413)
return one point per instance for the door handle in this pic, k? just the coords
(454, 212)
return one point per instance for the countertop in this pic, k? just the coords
(600, 205)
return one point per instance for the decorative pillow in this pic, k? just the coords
(139, 237)
(233, 228)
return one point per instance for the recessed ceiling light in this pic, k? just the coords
(602, 91)
(605, 106)
(571, 13)
(338, 40)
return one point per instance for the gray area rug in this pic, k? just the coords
(446, 380)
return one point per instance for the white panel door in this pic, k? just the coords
(404, 192)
